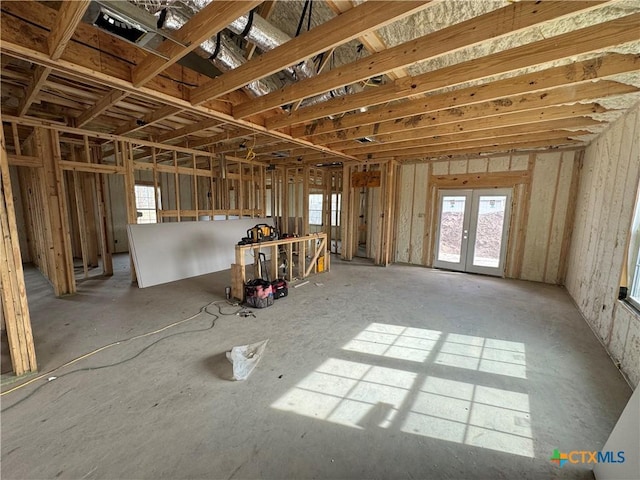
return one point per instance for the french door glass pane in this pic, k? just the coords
(488, 241)
(451, 228)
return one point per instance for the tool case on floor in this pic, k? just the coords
(258, 293)
(280, 288)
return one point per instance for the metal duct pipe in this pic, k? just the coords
(227, 56)
(267, 37)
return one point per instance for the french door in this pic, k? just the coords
(472, 230)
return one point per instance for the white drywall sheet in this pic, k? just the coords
(166, 252)
(625, 437)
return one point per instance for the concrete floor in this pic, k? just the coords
(400, 372)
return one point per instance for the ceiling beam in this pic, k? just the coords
(505, 120)
(341, 29)
(106, 102)
(493, 135)
(372, 41)
(203, 25)
(572, 74)
(38, 80)
(588, 39)
(110, 68)
(220, 137)
(530, 101)
(492, 25)
(189, 129)
(67, 20)
(455, 131)
(560, 141)
(148, 119)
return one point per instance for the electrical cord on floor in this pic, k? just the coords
(204, 309)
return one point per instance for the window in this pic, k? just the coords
(336, 207)
(315, 209)
(146, 203)
(633, 265)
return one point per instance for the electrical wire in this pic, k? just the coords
(204, 309)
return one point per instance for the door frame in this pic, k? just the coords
(469, 234)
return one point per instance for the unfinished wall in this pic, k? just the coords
(118, 210)
(541, 209)
(608, 184)
(20, 218)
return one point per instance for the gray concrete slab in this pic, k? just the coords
(398, 372)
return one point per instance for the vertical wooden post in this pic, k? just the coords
(155, 185)
(82, 226)
(285, 200)
(195, 186)
(305, 199)
(130, 195)
(389, 203)
(13, 293)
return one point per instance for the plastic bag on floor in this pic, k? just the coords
(244, 358)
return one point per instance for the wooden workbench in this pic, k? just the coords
(315, 245)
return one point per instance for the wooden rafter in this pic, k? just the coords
(503, 135)
(21, 40)
(38, 80)
(504, 21)
(506, 120)
(365, 17)
(531, 101)
(67, 20)
(592, 38)
(106, 102)
(203, 25)
(478, 148)
(189, 129)
(372, 41)
(455, 131)
(572, 74)
(148, 119)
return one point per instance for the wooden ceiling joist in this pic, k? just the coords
(148, 119)
(455, 131)
(189, 129)
(67, 20)
(202, 26)
(372, 41)
(420, 154)
(562, 95)
(495, 136)
(341, 29)
(106, 102)
(572, 74)
(21, 39)
(585, 40)
(504, 120)
(38, 80)
(495, 24)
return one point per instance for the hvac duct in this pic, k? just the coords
(226, 55)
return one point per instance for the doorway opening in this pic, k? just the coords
(473, 227)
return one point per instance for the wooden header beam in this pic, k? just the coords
(341, 29)
(203, 25)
